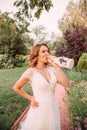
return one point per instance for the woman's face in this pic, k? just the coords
(43, 53)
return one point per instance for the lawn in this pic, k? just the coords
(11, 104)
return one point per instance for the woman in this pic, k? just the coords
(43, 76)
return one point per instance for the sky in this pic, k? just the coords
(48, 19)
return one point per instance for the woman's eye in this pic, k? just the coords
(45, 51)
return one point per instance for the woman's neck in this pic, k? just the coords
(40, 66)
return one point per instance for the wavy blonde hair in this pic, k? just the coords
(35, 53)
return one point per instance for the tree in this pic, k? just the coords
(12, 41)
(28, 9)
(74, 28)
(76, 43)
(56, 42)
(76, 15)
(25, 7)
(39, 34)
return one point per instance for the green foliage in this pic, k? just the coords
(13, 42)
(25, 7)
(5, 62)
(11, 39)
(28, 9)
(78, 106)
(82, 63)
(11, 62)
(73, 74)
(75, 15)
(20, 61)
(39, 33)
(56, 43)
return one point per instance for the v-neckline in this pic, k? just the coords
(44, 76)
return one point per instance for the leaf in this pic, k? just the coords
(18, 3)
(15, 3)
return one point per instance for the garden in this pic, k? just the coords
(12, 105)
(15, 46)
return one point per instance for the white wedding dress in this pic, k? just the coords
(46, 115)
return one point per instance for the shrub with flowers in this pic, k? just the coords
(78, 105)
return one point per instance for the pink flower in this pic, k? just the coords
(85, 126)
(72, 83)
(85, 120)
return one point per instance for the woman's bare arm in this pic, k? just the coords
(18, 89)
(61, 77)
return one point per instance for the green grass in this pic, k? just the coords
(73, 74)
(11, 104)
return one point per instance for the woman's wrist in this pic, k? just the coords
(54, 64)
(30, 98)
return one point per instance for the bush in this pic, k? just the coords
(76, 43)
(8, 62)
(82, 63)
(5, 62)
(19, 61)
(78, 106)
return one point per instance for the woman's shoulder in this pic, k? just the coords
(29, 69)
(28, 72)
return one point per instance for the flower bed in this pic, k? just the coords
(78, 105)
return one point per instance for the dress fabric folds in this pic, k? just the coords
(46, 115)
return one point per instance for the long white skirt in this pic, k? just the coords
(44, 117)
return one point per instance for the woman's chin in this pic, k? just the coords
(46, 62)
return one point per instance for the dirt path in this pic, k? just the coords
(61, 96)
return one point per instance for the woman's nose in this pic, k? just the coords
(47, 53)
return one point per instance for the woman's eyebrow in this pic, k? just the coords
(44, 50)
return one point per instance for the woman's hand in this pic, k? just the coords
(67, 90)
(34, 103)
(50, 59)
(61, 77)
